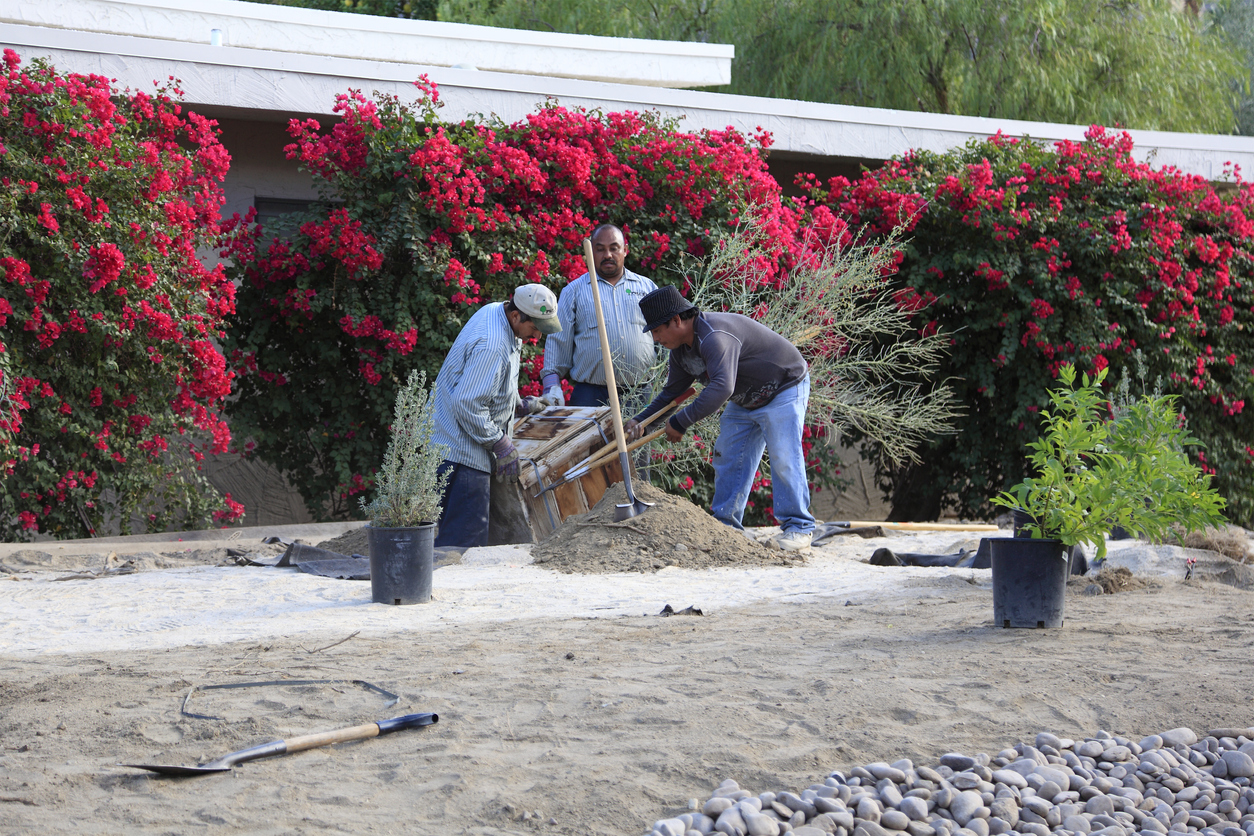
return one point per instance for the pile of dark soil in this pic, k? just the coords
(674, 532)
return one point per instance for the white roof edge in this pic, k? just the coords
(391, 25)
(802, 127)
(325, 33)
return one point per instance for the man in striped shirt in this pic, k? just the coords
(476, 400)
(575, 351)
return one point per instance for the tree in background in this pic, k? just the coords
(411, 9)
(110, 381)
(1132, 63)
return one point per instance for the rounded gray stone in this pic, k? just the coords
(1182, 736)
(914, 807)
(1077, 824)
(1006, 810)
(869, 828)
(828, 805)
(883, 770)
(1238, 764)
(978, 826)
(1047, 739)
(1100, 805)
(669, 827)
(1010, 778)
(760, 824)
(957, 762)
(894, 820)
(869, 809)
(889, 794)
(1090, 749)
(964, 806)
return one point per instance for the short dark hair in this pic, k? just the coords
(510, 307)
(691, 313)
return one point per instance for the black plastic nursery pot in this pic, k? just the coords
(401, 562)
(1029, 582)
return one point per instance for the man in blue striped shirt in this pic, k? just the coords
(476, 400)
(575, 351)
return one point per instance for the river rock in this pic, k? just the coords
(914, 807)
(965, 805)
(760, 824)
(717, 805)
(1010, 778)
(1090, 749)
(1238, 764)
(869, 828)
(1182, 736)
(894, 820)
(869, 809)
(731, 823)
(883, 770)
(669, 827)
(957, 762)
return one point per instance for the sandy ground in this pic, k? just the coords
(567, 705)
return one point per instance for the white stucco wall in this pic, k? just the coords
(319, 33)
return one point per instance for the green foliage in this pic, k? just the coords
(1134, 63)
(1095, 472)
(408, 485)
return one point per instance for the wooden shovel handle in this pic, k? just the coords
(313, 741)
(646, 421)
(608, 455)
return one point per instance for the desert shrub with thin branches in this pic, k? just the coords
(871, 369)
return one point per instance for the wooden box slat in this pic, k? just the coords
(550, 444)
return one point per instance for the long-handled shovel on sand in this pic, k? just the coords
(295, 744)
(633, 506)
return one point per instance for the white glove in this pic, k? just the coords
(553, 396)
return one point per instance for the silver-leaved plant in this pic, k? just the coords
(408, 486)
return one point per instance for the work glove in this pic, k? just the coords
(506, 457)
(529, 405)
(553, 394)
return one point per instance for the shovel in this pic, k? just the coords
(633, 506)
(295, 744)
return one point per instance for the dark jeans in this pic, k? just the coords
(630, 399)
(467, 499)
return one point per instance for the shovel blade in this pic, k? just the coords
(630, 509)
(177, 770)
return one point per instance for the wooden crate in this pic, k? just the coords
(549, 444)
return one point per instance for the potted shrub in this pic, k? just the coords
(406, 504)
(1096, 467)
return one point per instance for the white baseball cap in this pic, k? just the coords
(539, 303)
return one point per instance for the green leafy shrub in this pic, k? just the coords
(1030, 257)
(1095, 470)
(110, 379)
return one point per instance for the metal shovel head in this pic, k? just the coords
(178, 770)
(630, 509)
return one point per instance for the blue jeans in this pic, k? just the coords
(466, 502)
(630, 399)
(742, 436)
